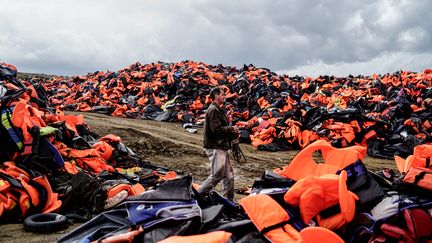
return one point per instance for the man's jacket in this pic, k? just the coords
(217, 131)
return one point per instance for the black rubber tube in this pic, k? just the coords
(45, 222)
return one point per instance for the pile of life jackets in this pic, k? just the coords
(390, 113)
(341, 195)
(52, 162)
(338, 200)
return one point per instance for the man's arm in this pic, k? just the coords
(215, 124)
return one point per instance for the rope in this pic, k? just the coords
(238, 153)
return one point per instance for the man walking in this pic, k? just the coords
(217, 141)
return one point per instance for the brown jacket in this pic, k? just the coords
(217, 131)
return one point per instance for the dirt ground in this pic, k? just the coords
(169, 145)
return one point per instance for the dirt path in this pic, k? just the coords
(169, 145)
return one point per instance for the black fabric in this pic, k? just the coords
(276, 145)
(123, 156)
(80, 143)
(252, 237)
(167, 229)
(272, 183)
(239, 228)
(151, 111)
(413, 189)
(234, 226)
(379, 148)
(313, 117)
(45, 157)
(85, 132)
(244, 136)
(346, 115)
(171, 190)
(12, 181)
(7, 73)
(85, 191)
(230, 206)
(330, 211)
(383, 181)
(101, 225)
(106, 176)
(363, 185)
(167, 116)
(275, 226)
(211, 214)
(41, 92)
(61, 182)
(107, 110)
(269, 179)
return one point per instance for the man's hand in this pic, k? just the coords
(237, 132)
(235, 129)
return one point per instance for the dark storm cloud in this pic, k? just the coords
(295, 37)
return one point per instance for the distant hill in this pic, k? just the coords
(26, 76)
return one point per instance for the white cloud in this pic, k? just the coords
(385, 63)
(412, 38)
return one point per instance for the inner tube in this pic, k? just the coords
(45, 222)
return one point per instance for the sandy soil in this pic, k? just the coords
(169, 145)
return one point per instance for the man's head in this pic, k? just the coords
(217, 95)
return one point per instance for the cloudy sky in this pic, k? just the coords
(302, 37)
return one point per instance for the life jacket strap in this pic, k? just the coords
(275, 226)
(419, 177)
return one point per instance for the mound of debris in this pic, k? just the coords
(53, 163)
(390, 113)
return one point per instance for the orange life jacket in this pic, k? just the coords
(23, 177)
(119, 111)
(317, 234)
(314, 194)
(53, 203)
(122, 238)
(72, 121)
(421, 157)
(23, 119)
(22, 198)
(335, 159)
(83, 107)
(132, 190)
(306, 137)
(263, 103)
(265, 136)
(212, 237)
(70, 167)
(7, 202)
(274, 222)
(105, 150)
(86, 159)
(265, 213)
(110, 138)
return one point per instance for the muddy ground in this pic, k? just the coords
(169, 145)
